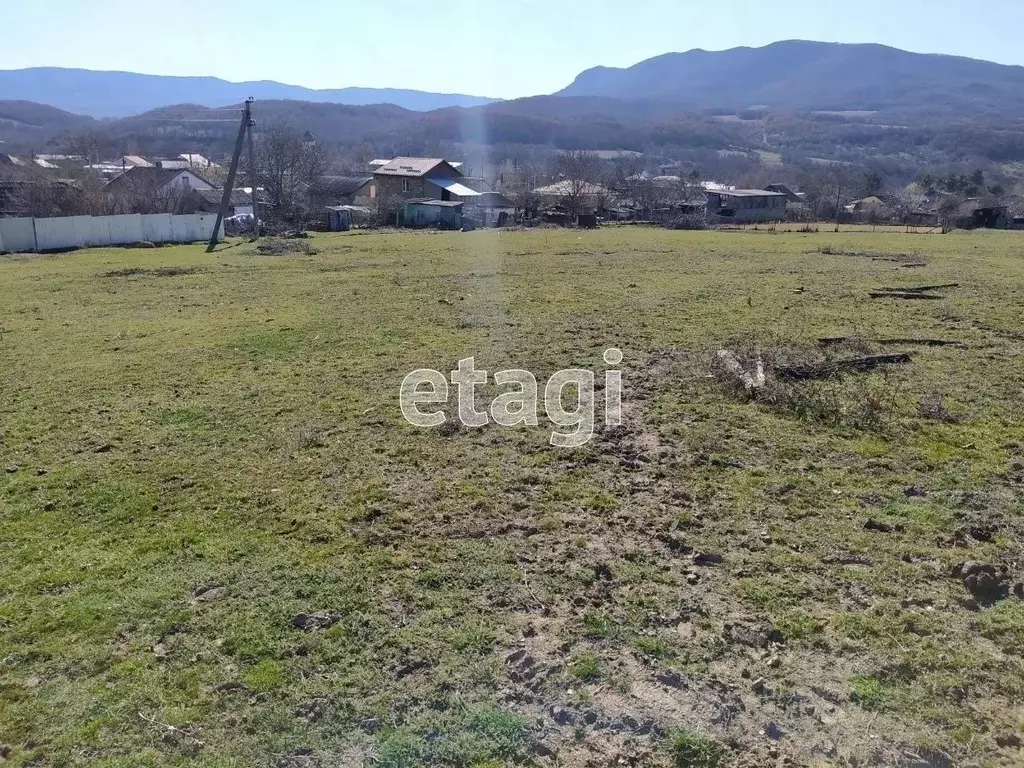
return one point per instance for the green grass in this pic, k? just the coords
(195, 459)
(587, 667)
(691, 750)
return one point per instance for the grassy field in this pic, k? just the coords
(222, 545)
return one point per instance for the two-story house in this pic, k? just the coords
(416, 178)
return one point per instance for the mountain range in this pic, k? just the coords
(793, 74)
(799, 74)
(789, 103)
(121, 94)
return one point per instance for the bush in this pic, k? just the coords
(276, 247)
(858, 400)
(687, 221)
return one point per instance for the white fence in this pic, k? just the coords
(83, 231)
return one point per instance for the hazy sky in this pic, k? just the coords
(502, 49)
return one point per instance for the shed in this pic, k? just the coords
(341, 218)
(974, 214)
(747, 205)
(443, 214)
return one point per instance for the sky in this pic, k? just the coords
(481, 47)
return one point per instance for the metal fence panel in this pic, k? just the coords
(17, 234)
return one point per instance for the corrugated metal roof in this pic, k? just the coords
(157, 177)
(213, 196)
(563, 188)
(352, 208)
(745, 193)
(342, 185)
(437, 203)
(197, 160)
(453, 186)
(410, 166)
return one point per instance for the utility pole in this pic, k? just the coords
(252, 178)
(229, 184)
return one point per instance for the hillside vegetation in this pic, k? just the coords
(798, 74)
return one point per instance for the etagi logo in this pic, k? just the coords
(519, 405)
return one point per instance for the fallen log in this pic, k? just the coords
(835, 341)
(920, 288)
(834, 367)
(923, 342)
(905, 295)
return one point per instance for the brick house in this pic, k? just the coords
(418, 178)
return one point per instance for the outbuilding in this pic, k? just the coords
(443, 214)
(746, 205)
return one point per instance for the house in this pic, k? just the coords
(418, 178)
(197, 161)
(142, 189)
(490, 209)
(562, 189)
(794, 198)
(873, 205)
(340, 190)
(974, 214)
(920, 217)
(208, 201)
(52, 162)
(132, 161)
(747, 205)
(573, 197)
(443, 214)
(41, 197)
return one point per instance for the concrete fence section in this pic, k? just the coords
(66, 232)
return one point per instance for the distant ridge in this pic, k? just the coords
(120, 94)
(799, 74)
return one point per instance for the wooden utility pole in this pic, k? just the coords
(252, 180)
(229, 184)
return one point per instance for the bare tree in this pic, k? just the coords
(827, 189)
(628, 178)
(385, 208)
(288, 164)
(577, 173)
(148, 195)
(948, 210)
(645, 195)
(85, 144)
(31, 191)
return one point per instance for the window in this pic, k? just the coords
(373, 191)
(405, 185)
